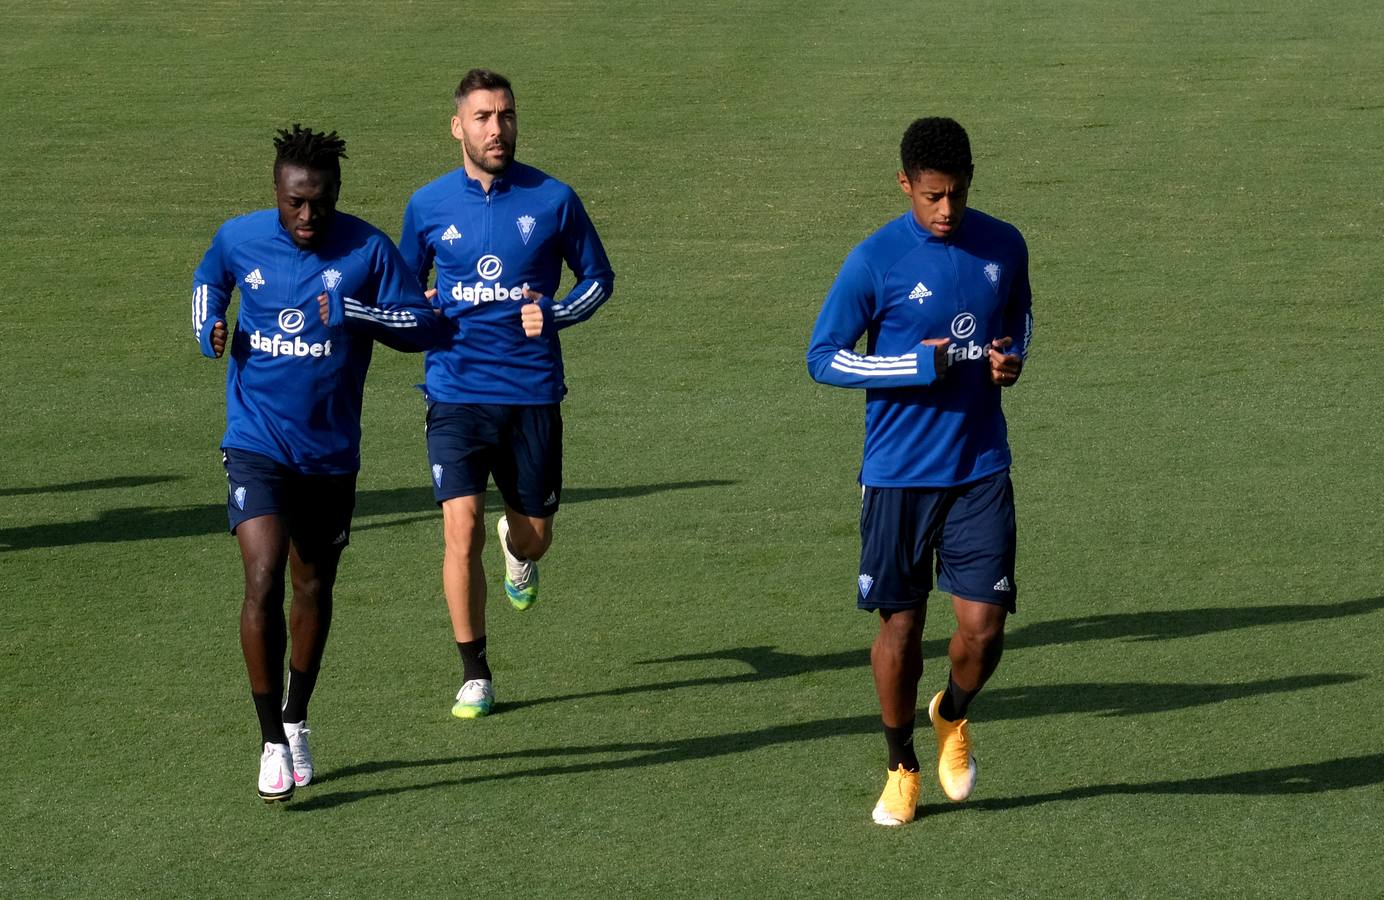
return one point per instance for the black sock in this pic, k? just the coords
(955, 702)
(900, 741)
(300, 685)
(473, 661)
(271, 726)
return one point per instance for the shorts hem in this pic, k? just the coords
(1005, 600)
(888, 607)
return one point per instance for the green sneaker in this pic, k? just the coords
(474, 699)
(521, 575)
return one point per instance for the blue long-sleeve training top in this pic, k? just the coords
(899, 287)
(486, 248)
(294, 386)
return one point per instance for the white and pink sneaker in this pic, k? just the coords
(276, 773)
(298, 746)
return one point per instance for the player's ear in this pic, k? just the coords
(456, 128)
(904, 183)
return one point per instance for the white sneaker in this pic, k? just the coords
(521, 575)
(474, 699)
(298, 746)
(276, 773)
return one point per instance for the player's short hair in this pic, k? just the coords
(481, 80)
(309, 149)
(936, 143)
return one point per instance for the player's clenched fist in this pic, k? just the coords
(531, 314)
(1004, 367)
(941, 354)
(218, 338)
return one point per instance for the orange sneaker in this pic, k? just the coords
(898, 805)
(956, 764)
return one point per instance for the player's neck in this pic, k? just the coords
(481, 176)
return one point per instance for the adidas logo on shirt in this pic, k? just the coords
(255, 280)
(919, 292)
(451, 234)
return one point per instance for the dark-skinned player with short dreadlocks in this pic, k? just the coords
(317, 288)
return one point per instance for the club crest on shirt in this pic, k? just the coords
(239, 496)
(525, 224)
(992, 272)
(866, 582)
(331, 278)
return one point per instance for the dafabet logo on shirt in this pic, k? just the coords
(962, 327)
(290, 321)
(489, 267)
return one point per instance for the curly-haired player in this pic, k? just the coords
(942, 295)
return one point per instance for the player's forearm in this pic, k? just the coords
(583, 301)
(840, 367)
(409, 328)
(208, 308)
(1020, 328)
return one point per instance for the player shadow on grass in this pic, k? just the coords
(1161, 625)
(766, 663)
(1307, 778)
(91, 484)
(147, 523)
(397, 501)
(1129, 698)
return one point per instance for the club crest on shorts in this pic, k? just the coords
(866, 582)
(437, 474)
(239, 495)
(525, 224)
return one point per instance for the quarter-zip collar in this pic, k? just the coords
(928, 237)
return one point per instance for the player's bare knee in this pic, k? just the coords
(901, 627)
(464, 535)
(311, 592)
(531, 545)
(262, 599)
(983, 639)
(263, 581)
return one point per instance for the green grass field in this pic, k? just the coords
(1190, 702)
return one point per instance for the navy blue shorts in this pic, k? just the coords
(315, 508)
(521, 446)
(965, 532)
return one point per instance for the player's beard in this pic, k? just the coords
(478, 156)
